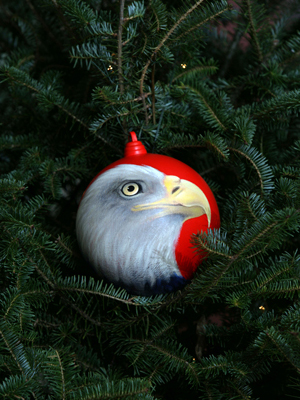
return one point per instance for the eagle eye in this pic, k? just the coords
(131, 189)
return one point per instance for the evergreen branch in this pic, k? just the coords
(162, 331)
(277, 340)
(188, 365)
(145, 42)
(79, 12)
(249, 208)
(64, 246)
(154, 338)
(44, 24)
(145, 107)
(217, 144)
(47, 324)
(259, 163)
(256, 238)
(104, 93)
(53, 179)
(88, 58)
(214, 365)
(294, 56)
(214, 168)
(171, 355)
(284, 291)
(201, 241)
(36, 204)
(284, 221)
(285, 102)
(257, 47)
(262, 228)
(63, 19)
(46, 262)
(269, 279)
(108, 291)
(207, 106)
(209, 390)
(108, 143)
(63, 384)
(289, 51)
(126, 19)
(72, 115)
(15, 299)
(15, 186)
(159, 12)
(51, 284)
(104, 333)
(100, 30)
(155, 372)
(199, 68)
(139, 354)
(260, 286)
(113, 297)
(79, 310)
(97, 386)
(252, 162)
(10, 350)
(181, 146)
(15, 348)
(216, 279)
(212, 17)
(16, 387)
(245, 126)
(159, 46)
(260, 84)
(129, 301)
(36, 88)
(257, 253)
(38, 292)
(58, 290)
(95, 128)
(291, 317)
(242, 394)
(234, 45)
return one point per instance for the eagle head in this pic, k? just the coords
(129, 223)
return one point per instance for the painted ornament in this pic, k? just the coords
(136, 218)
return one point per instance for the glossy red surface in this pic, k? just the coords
(186, 257)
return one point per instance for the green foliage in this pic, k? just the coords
(213, 84)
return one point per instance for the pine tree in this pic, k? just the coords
(215, 84)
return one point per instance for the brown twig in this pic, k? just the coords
(44, 25)
(253, 31)
(153, 91)
(160, 45)
(120, 30)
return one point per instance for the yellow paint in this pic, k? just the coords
(182, 197)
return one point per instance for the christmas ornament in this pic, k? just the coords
(136, 218)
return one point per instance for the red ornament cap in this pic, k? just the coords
(135, 147)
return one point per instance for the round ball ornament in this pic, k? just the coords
(136, 218)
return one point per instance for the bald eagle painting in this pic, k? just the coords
(129, 222)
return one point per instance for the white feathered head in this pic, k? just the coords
(128, 224)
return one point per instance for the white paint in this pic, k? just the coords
(131, 247)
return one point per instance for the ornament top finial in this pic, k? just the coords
(135, 147)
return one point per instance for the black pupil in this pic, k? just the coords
(131, 188)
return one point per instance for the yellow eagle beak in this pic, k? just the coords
(182, 197)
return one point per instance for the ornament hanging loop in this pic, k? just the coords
(135, 147)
